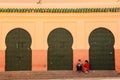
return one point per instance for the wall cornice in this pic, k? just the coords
(59, 10)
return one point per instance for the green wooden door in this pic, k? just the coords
(18, 52)
(101, 50)
(60, 53)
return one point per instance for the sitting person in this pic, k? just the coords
(86, 67)
(79, 65)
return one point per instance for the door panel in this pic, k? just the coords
(101, 50)
(18, 51)
(60, 53)
(60, 59)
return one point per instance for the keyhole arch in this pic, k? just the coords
(60, 53)
(18, 53)
(101, 51)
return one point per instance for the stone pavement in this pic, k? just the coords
(60, 75)
(99, 78)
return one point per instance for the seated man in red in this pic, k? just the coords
(86, 66)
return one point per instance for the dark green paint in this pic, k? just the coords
(60, 53)
(101, 50)
(18, 52)
(58, 10)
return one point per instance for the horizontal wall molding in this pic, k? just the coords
(59, 10)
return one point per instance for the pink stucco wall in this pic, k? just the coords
(117, 60)
(2, 60)
(39, 59)
(79, 54)
(39, 25)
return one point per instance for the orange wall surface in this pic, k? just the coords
(39, 25)
(56, 1)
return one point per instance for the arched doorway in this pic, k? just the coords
(60, 53)
(101, 52)
(18, 52)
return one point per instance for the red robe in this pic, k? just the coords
(86, 67)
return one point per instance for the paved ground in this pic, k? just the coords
(100, 78)
(90, 79)
(60, 75)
